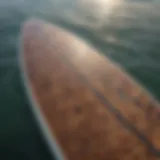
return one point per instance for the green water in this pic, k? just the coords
(132, 39)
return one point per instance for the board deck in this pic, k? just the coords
(90, 107)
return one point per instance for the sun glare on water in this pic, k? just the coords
(96, 11)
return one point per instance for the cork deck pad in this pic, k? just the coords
(87, 105)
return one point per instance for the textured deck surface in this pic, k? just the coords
(94, 109)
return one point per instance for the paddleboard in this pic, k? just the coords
(87, 106)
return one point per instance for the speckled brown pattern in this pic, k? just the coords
(93, 108)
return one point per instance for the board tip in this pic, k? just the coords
(30, 26)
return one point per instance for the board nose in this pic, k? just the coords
(31, 27)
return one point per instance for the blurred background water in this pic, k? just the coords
(127, 31)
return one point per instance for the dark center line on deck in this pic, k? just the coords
(124, 122)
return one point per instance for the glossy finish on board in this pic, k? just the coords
(91, 106)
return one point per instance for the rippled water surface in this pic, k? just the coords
(128, 31)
